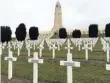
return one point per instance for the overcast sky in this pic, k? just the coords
(40, 13)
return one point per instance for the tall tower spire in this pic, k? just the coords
(58, 17)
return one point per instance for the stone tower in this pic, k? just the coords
(57, 19)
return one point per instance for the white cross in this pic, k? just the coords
(108, 52)
(19, 46)
(35, 60)
(34, 43)
(68, 47)
(104, 46)
(69, 63)
(91, 45)
(9, 47)
(40, 50)
(58, 44)
(53, 50)
(14, 44)
(79, 45)
(0, 49)
(86, 50)
(28, 48)
(10, 59)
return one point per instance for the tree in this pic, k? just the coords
(21, 32)
(107, 30)
(76, 33)
(62, 33)
(33, 33)
(93, 30)
(8, 33)
(5, 33)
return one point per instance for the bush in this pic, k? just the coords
(107, 30)
(5, 34)
(93, 30)
(62, 33)
(33, 33)
(21, 32)
(76, 34)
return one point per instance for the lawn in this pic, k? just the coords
(91, 71)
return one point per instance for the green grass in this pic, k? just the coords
(91, 71)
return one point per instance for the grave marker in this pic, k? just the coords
(53, 50)
(10, 59)
(40, 49)
(69, 63)
(35, 60)
(86, 50)
(68, 47)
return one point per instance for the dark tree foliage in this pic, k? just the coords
(93, 30)
(33, 33)
(62, 33)
(107, 30)
(21, 32)
(5, 34)
(76, 34)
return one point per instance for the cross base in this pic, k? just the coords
(70, 63)
(107, 66)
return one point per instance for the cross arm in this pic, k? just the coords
(11, 58)
(70, 63)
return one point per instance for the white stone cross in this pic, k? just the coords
(58, 44)
(69, 63)
(28, 46)
(68, 47)
(9, 47)
(91, 45)
(53, 47)
(86, 50)
(14, 44)
(108, 52)
(19, 46)
(10, 59)
(34, 44)
(104, 46)
(40, 49)
(0, 49)
(35, 60)
(79, 45)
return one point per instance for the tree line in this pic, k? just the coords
(21, 33)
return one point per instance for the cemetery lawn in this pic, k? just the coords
(91, 71)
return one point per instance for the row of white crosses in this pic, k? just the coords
(2, 46)
(88, 43)
(77, 42)
(80, 41)
(35, 60)
(52, 45)
(69, 63)
(106, 48)
(33, 43)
